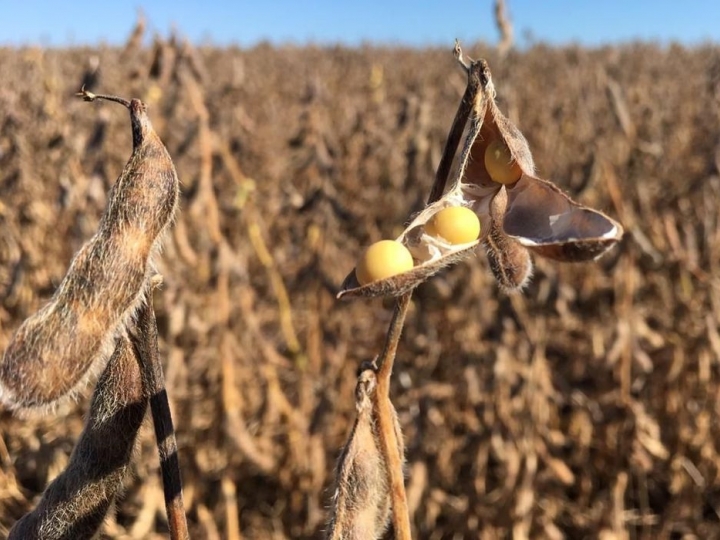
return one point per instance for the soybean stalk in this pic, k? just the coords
(381, 398)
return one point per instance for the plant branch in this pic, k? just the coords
(146, 346)
(385, 417)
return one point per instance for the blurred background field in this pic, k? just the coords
(585, 408)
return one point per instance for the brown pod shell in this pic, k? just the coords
(75, 504)
(401, 283)
(52, 351)
(361, 504)
(488, 124)
(539, 215)
(432, 254)
(549, 223)
(509, 261)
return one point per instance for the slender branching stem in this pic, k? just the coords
(384, 416)
(384, 411)
(146, 344)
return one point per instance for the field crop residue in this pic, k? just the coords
(585, 408)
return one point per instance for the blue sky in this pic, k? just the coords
(406, 22)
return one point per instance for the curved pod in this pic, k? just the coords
(52, 351)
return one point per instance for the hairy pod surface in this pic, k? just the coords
(53, 350)
(509, 261)
(74, 505)
(537, 216)
(361, 503)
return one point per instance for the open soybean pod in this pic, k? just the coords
(550, 224)
(537, 214)
(429, 254)
(517, 211)
(430, 249)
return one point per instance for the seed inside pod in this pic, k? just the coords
(382, 260)
(500, 164)
(456, 224)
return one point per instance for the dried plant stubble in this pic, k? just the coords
(52, 351)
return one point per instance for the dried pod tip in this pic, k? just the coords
(365, 388)
(500, 164)
(454, 224)
(89, 96)
(382, 260)
(464, 62)
(485, 76)
(141, 126)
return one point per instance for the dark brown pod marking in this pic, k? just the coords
(53, 350)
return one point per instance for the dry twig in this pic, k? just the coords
(505, 27)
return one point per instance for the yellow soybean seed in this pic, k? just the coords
(500, 164)
(382, 260)
(456, 224)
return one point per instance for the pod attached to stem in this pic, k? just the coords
(530, 215)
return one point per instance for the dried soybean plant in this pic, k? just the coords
(496, 204)
(103, 304)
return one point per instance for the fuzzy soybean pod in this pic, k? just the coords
(54, 350)
(75, 504)
(361, 505)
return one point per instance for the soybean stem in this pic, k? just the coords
(386, 421)
(381, 397)
(154, 382)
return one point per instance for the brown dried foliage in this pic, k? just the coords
(585, 407)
